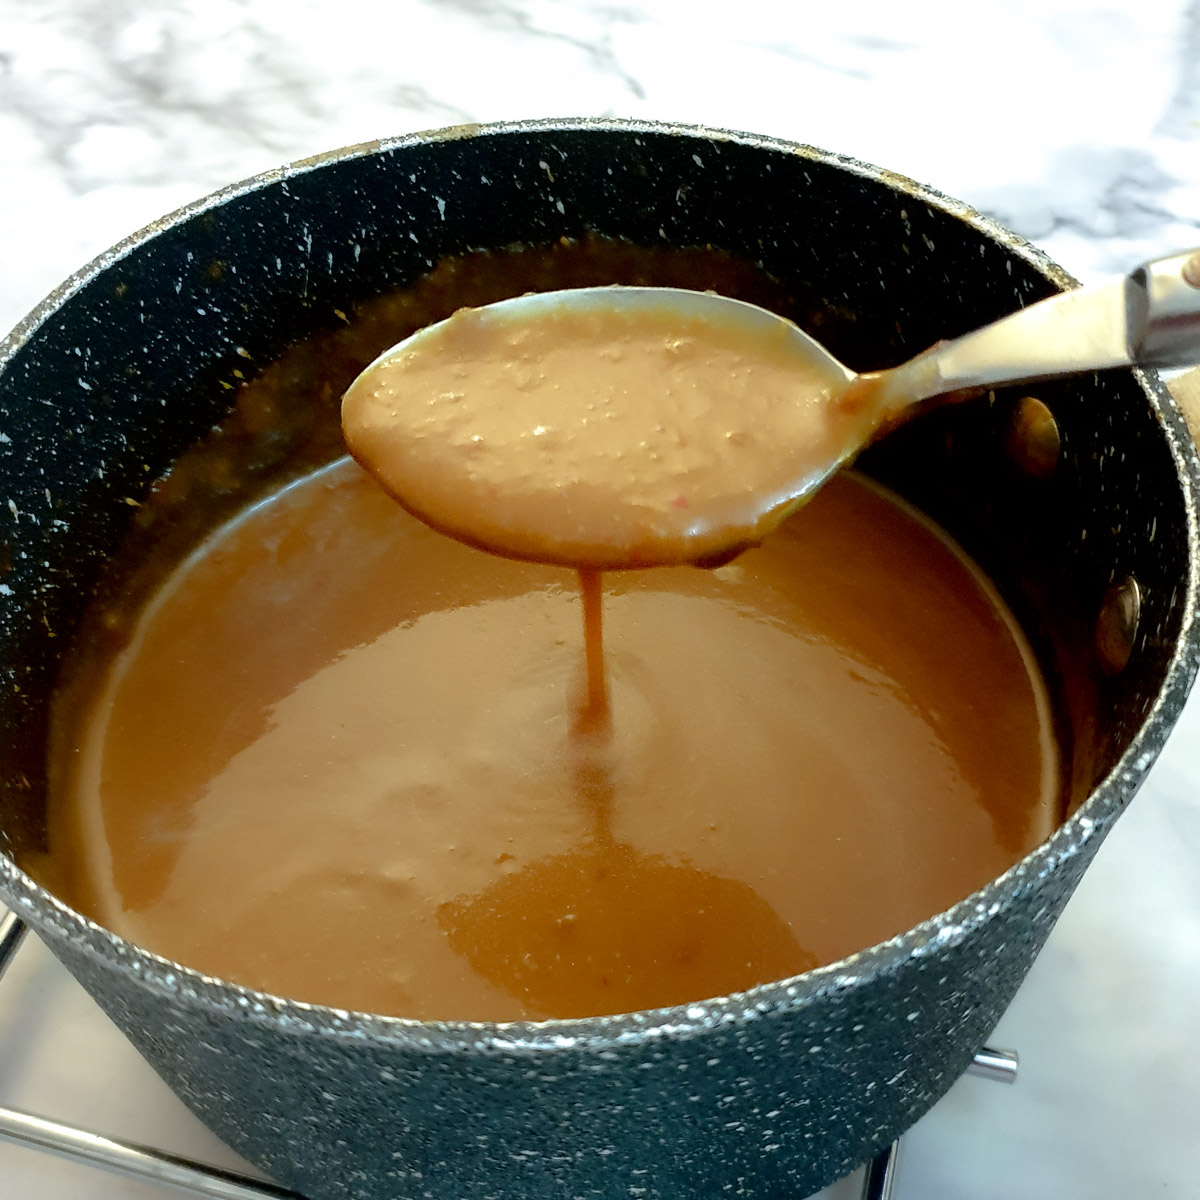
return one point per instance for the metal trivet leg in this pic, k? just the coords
(881, 1173)
(134, 1161)
(12, 932)
(142, 1162)
(122, 1158)
(880, 1179)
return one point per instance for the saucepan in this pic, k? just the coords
(1078, 498)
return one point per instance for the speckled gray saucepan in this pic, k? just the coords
(769, 1093)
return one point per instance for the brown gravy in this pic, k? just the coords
(336, 761)
(602, 437)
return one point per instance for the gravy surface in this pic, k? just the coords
(602, 437)
(336, 761)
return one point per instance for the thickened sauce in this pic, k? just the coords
(603, 437)
(345, 759)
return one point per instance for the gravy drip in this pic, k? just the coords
(594, 712)
(602, 439)
(336, 761)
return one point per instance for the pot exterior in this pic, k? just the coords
(763, 1101)
(773, 1092)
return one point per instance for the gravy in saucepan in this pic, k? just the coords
(342, 759)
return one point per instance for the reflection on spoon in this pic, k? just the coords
(626, 427)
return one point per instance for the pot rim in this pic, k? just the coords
(942, 930)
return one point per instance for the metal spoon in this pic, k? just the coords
(1150, 317)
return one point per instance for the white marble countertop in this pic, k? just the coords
(1075, 123)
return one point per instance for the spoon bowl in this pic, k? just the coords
(619, 427)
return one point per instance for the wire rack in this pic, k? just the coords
(201, 1179)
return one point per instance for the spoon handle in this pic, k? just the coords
(1163, 299)
(1150, 317)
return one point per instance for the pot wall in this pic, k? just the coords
(776, 1094)
(779, 1087)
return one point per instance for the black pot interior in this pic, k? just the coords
(139, 363)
